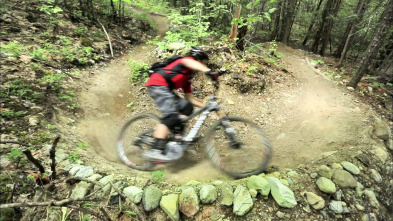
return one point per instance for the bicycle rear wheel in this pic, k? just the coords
(135, 137)
(238, 147)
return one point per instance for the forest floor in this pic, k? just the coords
(308, 113)
(304, 114)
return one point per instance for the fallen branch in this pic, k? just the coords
(47, 203)
(75, 179)
(28, 154)
(52, 155)
(106, 215)
(34, 161)
(140, 215)
(30, 211)
(14, 142)
(107, 36)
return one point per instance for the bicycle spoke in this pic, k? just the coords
(238, 147)
(136, 137)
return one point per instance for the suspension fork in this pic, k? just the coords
(230, 134)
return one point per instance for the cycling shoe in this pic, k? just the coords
(156, 155)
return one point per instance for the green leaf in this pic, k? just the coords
(272, 10)
(129, 213)
(15, 153)
(57, 9)
(130, 104)
(158, 175)
(82, 145)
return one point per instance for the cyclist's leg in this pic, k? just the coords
(166, 103)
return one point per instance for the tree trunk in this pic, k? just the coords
(385, 23)
(259, 25)
(277, 20)
(233, 33)
(318, 36)
(185, 4)
(384, 52)
(241, 37)
(329, 25)
(312, 23)
(283, 12)
(114, 14)
(289, 18)
(386, 68)
(343, 48)
(384, 63)
(81, 6)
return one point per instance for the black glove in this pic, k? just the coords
(213, 75)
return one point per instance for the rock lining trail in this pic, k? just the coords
(304, 115)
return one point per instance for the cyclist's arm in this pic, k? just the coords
(195, 65)
(193, 101)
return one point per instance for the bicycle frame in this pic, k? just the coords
(204, 112)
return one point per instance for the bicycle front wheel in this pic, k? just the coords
(238, 147)
(135, 137)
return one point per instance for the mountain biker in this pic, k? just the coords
(172, 106)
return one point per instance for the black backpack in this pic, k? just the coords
(158, 67)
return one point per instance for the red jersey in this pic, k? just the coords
(181, 80)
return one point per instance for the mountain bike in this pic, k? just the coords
(235, 145)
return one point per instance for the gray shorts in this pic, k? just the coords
(168, 102)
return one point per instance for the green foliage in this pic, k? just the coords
(19, 89)
(89, 205)
(65, 41)
(86, 217)
(193, 28)
(12, 114)
(272, 46)
(73, 157)
(50, 9)
(316, 62)
(279, 55)
(251, 69)
(30, 176)
(40, 54)
(138, 71)
(35, 66)
(82, 145)
(53, 79)
(158, 175)
(13, 48)
(129, 213)
(151, 5)
(15, 154)
(81, 31)
(69, 97)
(50, 127)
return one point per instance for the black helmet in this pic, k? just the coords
(198, 54)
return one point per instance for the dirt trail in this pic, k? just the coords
(304, 116)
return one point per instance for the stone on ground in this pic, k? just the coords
(281, 193)
(350, 167)
(259, 184)
(344, 179)
(133, 193)
(315, 201)
(242, 201)
(226, 194)
(188, 202)
(151, 198)
(80, 190)
(170, 205)
(326, 185)
(325, 171)
(208, 193)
